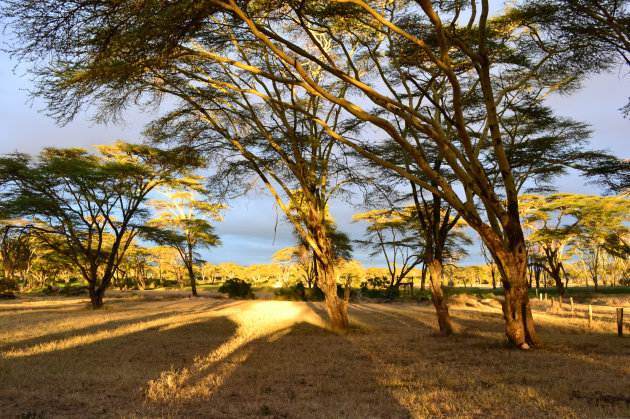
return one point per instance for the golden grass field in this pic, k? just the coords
(175, 356)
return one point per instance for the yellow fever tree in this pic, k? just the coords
(380, 65)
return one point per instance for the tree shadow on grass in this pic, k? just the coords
(300, 371)
(77, 332)
(103, 327)
(107, 376)
(477, 375)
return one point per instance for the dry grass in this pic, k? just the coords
(207, 358)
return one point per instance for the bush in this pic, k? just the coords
(7, 286)
(389, 293)
(375, 283)
(237, 288)
(482, 295)
(298, 292)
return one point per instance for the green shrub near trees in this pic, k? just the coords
(237, 288)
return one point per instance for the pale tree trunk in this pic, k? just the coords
(336, 307)
(439, 300)
(191, 274)
(516, 307)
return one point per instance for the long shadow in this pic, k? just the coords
(295, 372)
(106, 377)
(384, 315)
(42, 339)
(104, 326)
(18, 305)
(486, 377)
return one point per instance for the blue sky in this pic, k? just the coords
(249, 232)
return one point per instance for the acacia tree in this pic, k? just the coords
(110, 53)
(578, 225)
(304, 256)
(298, 162)
(552, 222)
(15, 246)
(188, 221)
(391, 234)
(88, 207)
(601, 220)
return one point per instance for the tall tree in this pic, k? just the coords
(391, 234)
(188, 220)
(567, 225)
(552, 223)
(89, 207)
(379, 63)
(15, 246)
(601, 220)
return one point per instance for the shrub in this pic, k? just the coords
(298, 292)
(295, 292)
(482, 295)
(389, 293)
(7, 286)
(237, 288)
(316, 294)
(375, 283)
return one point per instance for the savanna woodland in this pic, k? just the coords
(431, 119)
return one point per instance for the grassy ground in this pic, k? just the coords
(176, 356)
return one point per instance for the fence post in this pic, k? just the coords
(619, 321)
(536, 292)
(560, 301)
(571, 299)
(540, 296)
(590, 315)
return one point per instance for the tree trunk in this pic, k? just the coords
(516, 308)
(439, 301)
(424, 277)
(191, 274)
(336, 307)
(555, 275)
(96, 295)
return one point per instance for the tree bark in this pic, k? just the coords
(424, 277)
(516, 307)
(439, 300)
(558, 279)
(96, 295)
(193, 284)
(336, 307)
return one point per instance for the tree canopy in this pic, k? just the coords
(359, 72)
(88, 207)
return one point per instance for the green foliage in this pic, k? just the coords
(375, 282)
(379, 289)
(88, 208)
(298, 292)
(7, 286)
(237, 288)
